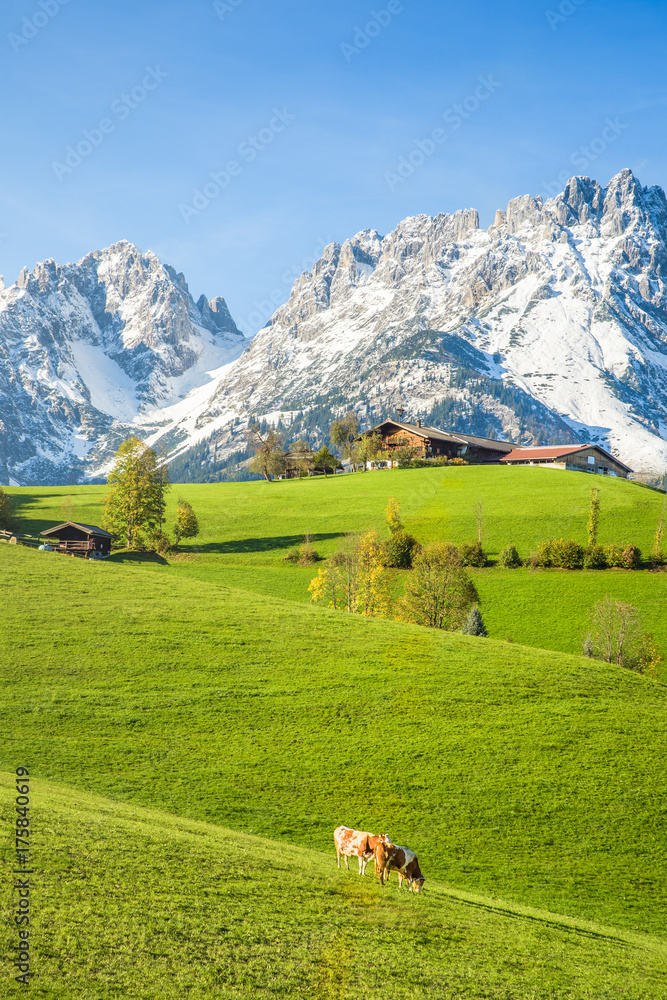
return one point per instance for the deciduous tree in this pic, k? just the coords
(269, 460)
(479, 518)
(657, 545)
(344, 433)
(187, 525)
(438, 592)
(400, 548)
(593, 517)
(325, 461)
(367, 448)
(617, 635)
(133, 507)
(392, 513)
(354, 579)
(8, 521)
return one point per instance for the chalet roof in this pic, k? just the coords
(557, 451)
(88, 529)
(435, 434)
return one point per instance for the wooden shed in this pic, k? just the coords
(580, 458)
(79, 539)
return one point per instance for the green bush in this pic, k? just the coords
(631, 558)
(564, 553)
(472, 554)
(613, 555)
(509, 557)
(567, 554)
(594, 557)
(304, 555)
(544, 555)
(400, 549)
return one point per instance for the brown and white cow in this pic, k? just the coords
(391, 856)
(350, 842)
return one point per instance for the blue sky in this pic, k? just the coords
(304, 113)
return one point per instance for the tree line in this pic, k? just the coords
(272, 459)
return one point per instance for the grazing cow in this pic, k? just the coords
(350, 842)
(389, 856)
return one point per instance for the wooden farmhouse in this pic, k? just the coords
(298, 462)
(429, 442)
(580, 458)
(79, 539)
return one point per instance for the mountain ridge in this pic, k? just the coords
(549, 326)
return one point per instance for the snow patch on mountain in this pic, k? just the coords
(549, 326)
(563, 302)
(91, 352)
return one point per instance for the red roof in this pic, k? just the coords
(559, 451)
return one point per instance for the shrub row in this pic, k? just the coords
(565, 553)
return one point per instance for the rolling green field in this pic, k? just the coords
(134, 902)
(196, 728)
(247, 528)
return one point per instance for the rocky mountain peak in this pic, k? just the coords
(549, 327)
(88, 348)
(561, 303)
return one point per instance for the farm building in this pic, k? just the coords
(301, 462)
(79, 539)
(580, 458)
(429, 442)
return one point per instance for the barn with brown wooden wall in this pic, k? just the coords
(430, 442)
(576, 458)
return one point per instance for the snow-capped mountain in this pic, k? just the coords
(88, 349)
(549, 326)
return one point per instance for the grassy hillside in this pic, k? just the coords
(521, 505)
(534, 776)
(136, 903)
(248, 527)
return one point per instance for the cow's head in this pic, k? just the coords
(385, 839)
(418, 884)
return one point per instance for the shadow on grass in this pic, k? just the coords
(22, 504)
(258, 544)
(137, 557)
(546, 921)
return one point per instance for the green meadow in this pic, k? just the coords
(132, 902)
(196, 728)
(247, 529)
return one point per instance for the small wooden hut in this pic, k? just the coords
(79, 539)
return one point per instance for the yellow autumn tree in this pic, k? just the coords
(354, 578)
(392, 513)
